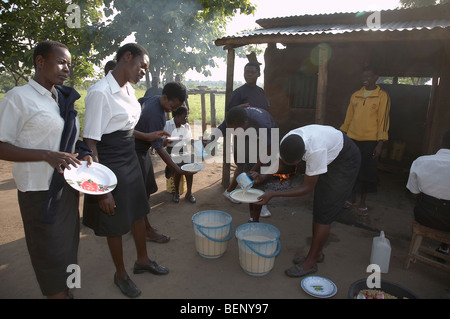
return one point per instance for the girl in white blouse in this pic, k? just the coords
(112, 112)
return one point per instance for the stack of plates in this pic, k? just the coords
(319, 287)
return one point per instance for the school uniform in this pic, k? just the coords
(335, 158)
(35, 118)
(180, 150)
(430, 177)
(111, 115)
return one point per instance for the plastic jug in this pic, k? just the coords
(381, 252)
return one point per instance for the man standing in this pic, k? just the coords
(367, 124)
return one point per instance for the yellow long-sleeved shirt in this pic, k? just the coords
(367, 118)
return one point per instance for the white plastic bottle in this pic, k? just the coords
(381, 252)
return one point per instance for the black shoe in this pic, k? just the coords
(127, 287)
(153, 267)
(192, 199)
(176, 198)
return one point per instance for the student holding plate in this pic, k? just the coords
(39, 131)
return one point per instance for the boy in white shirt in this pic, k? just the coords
(180, 150)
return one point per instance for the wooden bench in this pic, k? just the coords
(422, 254)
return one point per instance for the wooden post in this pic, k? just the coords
(229, 90)
(322, 82)
(212, 100)
(428, 147)
(203, 112)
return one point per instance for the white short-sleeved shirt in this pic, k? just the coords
(430, 174)
(183, 131)
(109, 108)
(30, 118)
(322, 145)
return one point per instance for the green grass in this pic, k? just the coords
(194, 106)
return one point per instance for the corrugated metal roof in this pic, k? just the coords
(417, 19)
(343, 28)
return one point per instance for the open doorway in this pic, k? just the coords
(411, 99)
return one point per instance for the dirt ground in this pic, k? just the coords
(194, 277)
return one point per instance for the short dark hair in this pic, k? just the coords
(44, 48)
(292, 148)
(110, 65)
(446, 140)
(371, 68)
(175, 90)
(255, 64)
(237, 116)
(134, 48)
(180, 111)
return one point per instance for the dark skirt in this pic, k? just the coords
(335, 186)
(117, 152)
(368, 173)
(146, 164)
(52, 247)
(432, 212)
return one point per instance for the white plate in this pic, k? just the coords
(174, 138)
(319, 287)
(95, 180)
(193, 167)
(248, 196)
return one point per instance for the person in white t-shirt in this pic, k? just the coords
(332, 165)
(180, 150)
(429, 181)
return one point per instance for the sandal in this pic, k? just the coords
(348, 204)
(298, 271)
(362, 211)
(160, 239)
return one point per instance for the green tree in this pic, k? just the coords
(25, 23)
(179, 35)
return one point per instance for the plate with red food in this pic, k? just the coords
(97, 179)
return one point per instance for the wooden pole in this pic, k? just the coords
(203, 112)
(212, 100)
(430, 116)
(322, 82)
(228, 92)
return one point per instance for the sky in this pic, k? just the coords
(284, 8)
